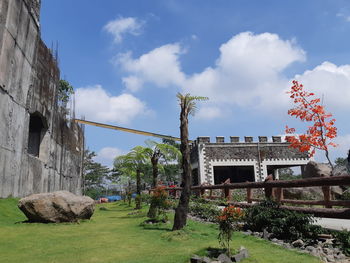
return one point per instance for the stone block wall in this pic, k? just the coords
(29, 78)
(261, 155)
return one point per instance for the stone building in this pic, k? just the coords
(215, 162)
(40, 150)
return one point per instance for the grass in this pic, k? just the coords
(114, 236)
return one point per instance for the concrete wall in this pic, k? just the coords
(29, 78)
(261, 155)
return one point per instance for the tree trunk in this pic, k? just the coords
(154, 161)
(138, 189)
(152, 212)
(182, 209)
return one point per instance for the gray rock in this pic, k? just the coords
(330, 258)
(313, 169)
(56, 207)
(196, 259)
(266, 235)
(310, 248)
(340, 170)
(298, 243)
(274, 240)
(224, 258)
(243, 253)
(206, 260)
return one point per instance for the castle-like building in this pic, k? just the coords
(40, 150)
(215, 162)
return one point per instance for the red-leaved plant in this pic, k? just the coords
(228, 223)
(309, 109)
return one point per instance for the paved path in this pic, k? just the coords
(336, 224)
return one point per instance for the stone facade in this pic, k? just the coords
(213, 162)
(40, 150)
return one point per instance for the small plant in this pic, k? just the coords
(160, 203)
(228, 220)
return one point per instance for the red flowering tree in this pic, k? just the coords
(308, 108)
(228, 220)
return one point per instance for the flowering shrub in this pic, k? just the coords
(159, 204)
(228, 220)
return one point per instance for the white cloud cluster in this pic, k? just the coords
(249, 72)
(123, 25)
(161, 67)
(96, 104)
(330, 81)
(107, 154)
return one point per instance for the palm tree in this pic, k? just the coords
(135, 160)
(188, 106)
(159, 152)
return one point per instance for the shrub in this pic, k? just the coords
(343, 240)
(227, 221)
(159, 204)
(204, 209)
(282, 223)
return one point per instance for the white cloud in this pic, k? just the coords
(344, 16)
(331, 81)
(208, 113)
(107, 154)
(249, 72)
(123, 25)
(161, 66)
(96, 104)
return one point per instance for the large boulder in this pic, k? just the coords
(56, 207)
(313, 169)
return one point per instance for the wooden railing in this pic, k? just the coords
(274, 190)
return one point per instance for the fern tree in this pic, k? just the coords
(188, 107)
(157, 152)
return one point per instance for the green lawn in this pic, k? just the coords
(114, 236)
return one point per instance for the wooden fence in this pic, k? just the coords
(274, 190)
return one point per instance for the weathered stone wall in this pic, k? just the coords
(29, 78)
(262, 156)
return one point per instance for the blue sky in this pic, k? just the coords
(128, 59)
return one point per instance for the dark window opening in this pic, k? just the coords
(236, 174)
(36, 130)
(195, 178)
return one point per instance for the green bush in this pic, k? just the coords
(343, 240)
(204, 209)
(282, 223)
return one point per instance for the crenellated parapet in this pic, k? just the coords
(236, 139)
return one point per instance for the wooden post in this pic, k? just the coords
(211, 194)
(279, 194)
(249, 195)
(227, 193)
(327, 196)
(202, 192)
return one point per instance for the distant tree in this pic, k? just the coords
(65, 90)
(340, 161)
(287, 174)
(134, 161)
(94, 175)
(188, 107)
(308, 109)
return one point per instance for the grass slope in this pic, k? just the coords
(115, 236)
